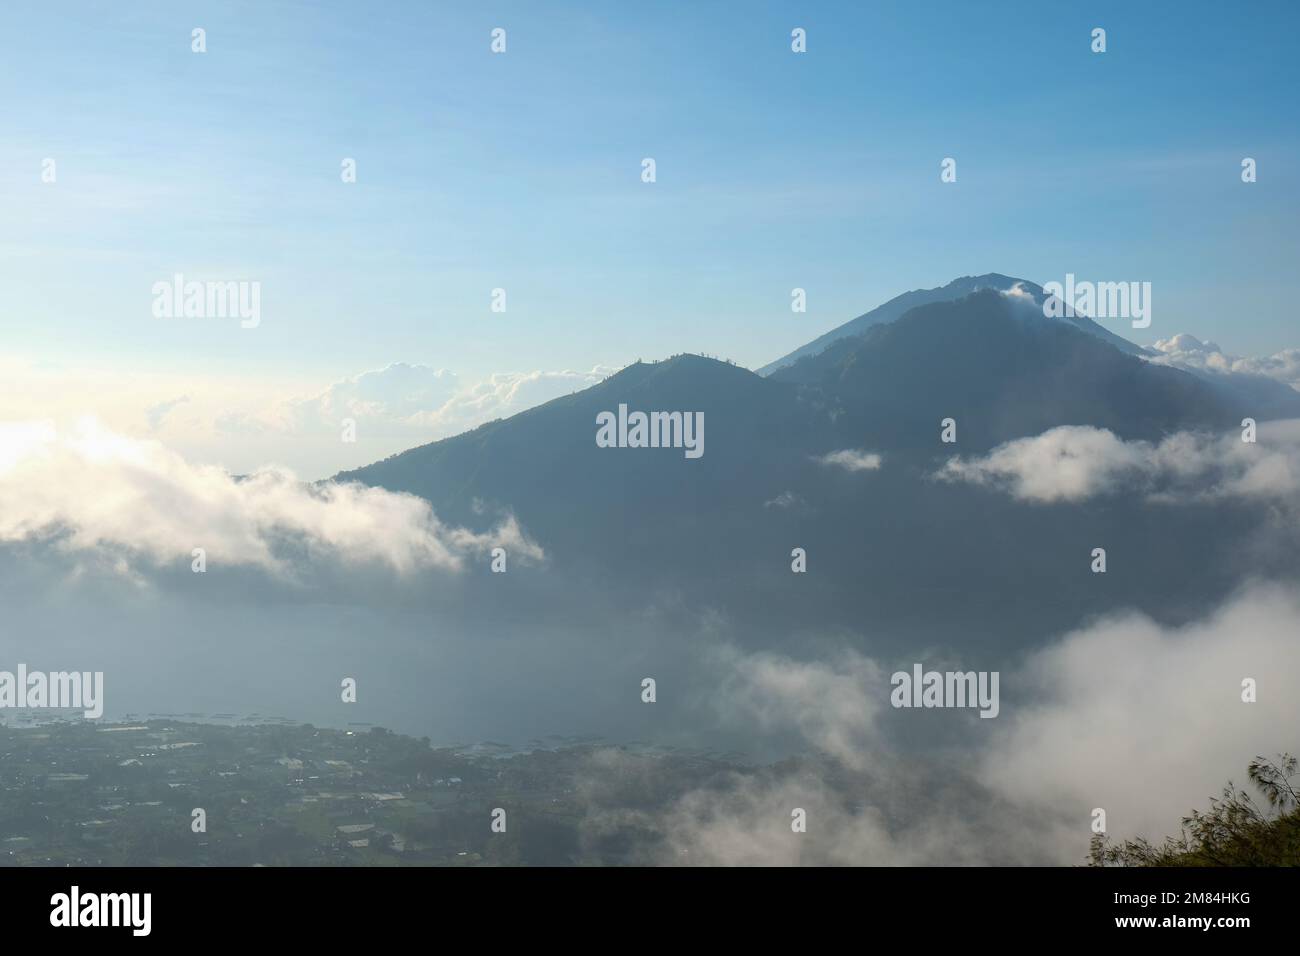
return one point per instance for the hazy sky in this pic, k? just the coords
(522, 171)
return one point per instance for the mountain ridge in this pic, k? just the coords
(649, 529)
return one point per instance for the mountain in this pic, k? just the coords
(996, 364)
(898, 306)
(896, 560)
(545, 466)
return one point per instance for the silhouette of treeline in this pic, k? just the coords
(1235, 831)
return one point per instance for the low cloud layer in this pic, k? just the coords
(832, 705)
(1148, 722)
(1073, 463)
(91, 490)
(1142, 721)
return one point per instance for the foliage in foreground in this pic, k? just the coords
(1235, 831)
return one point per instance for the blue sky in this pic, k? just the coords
(522, 171)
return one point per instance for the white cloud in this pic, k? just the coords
(393, 409)
(156, 413)
(1019, 293)
(750, 825)
(1146, 721)
(93, 490)
(1068, 463)
(1190, 353)
(1142, 720)
(397, 392)
(245, 423)
(1073, 463)
(833, 705)
(388, 398)
(432, 401)
(786, 499)
(852, 459)
(504, 394)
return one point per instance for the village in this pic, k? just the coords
(75, 792)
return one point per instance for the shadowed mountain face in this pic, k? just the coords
(1004, 371)
(896, 560)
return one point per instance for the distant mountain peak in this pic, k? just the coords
(989, 280)
(958, 288)
(683, 364)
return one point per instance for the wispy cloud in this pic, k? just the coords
(852, 459)
(1141, 720)
(156, 413)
